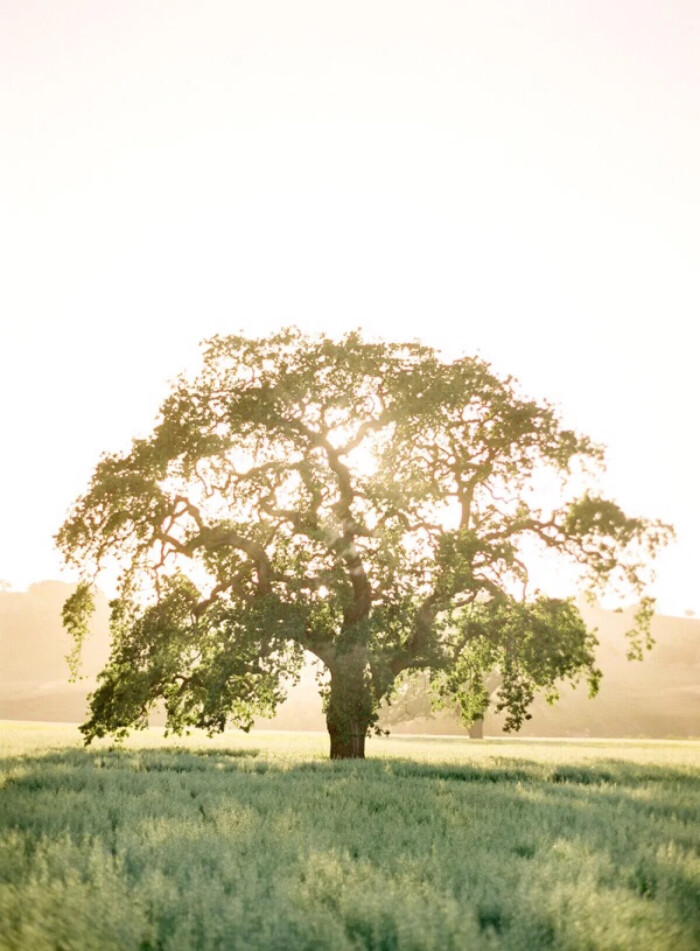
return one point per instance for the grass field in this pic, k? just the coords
(258, 842)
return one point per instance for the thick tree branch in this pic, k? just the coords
(362, 590)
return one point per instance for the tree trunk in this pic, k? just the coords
(350, 708)
(476, 730)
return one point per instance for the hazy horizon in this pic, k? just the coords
(658, 698)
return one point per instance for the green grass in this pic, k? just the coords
(257, 842)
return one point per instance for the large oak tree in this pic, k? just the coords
(369, 503)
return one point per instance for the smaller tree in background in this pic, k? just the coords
(417, 696)
(369, 503)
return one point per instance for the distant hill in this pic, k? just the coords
(34, 676)
(658, 697)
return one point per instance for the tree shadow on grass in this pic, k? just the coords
(511, 849)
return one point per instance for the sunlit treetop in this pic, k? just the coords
(371, 503)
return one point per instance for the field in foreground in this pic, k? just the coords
(258, 842)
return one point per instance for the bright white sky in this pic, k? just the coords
(518, 179)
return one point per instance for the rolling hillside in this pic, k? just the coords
(659, 697)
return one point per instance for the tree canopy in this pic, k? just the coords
(370, 503)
